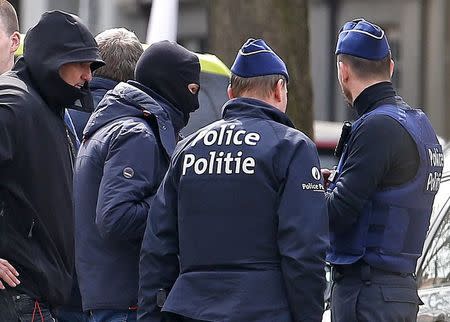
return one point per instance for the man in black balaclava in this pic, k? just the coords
(168, 71)
(36, 164)
(126, 149)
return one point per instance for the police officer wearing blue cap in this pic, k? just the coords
(380, 199)
(238, 229)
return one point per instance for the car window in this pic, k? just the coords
(327, 158)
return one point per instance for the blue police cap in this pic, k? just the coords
(255, 58)
(363, 39)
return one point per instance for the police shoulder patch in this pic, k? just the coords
(315, 172)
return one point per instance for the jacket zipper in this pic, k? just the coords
(30, 233)
(71, 148)
(2, 208)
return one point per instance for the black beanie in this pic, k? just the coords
(168, 68)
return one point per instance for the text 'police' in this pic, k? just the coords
(220, 162)
(436, 161)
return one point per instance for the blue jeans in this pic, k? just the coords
(172, 317)
(65, 315)
(16, 307)
(112, 316)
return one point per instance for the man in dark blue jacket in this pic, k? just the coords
(126, 149)
(238, 229)
(381, 197)
(120, 49)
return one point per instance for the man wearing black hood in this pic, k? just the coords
(126, 149)
(36, 158)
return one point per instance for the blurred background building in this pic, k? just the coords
(418, 31)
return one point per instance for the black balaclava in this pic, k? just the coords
(59, 38)
(168, 68)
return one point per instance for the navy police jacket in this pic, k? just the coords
(121, 162)
(391, 228)
(238, 229)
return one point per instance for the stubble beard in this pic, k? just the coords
(347, 95)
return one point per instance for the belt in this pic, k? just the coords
(362, 270)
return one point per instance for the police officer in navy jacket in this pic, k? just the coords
(380, 199)
(238, 229)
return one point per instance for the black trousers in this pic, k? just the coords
(16, 307)
(374, 296)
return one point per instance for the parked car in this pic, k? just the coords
(433, 268)
(326, 138)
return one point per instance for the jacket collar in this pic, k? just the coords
(126, 100)
(150, 105)
(102, 83)
(373, 96)
(254, 108)
(175, 115)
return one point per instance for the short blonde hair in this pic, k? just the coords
(261, 85)
(8, 17)
(368, 69)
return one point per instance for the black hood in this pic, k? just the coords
(57, 39)
(167, 69)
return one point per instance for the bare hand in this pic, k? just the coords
(8, 274)
(326, 173)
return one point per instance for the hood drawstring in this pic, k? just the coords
(37, 308)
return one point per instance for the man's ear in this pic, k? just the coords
(15, 41)
(391, 68)
(343, 71)
(230, 92)
(278, 91)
